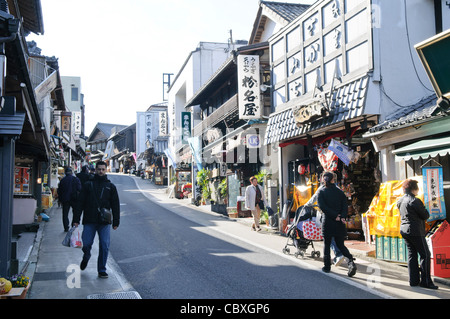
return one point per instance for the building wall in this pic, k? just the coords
(398, 72)
(200, 65)
(69, 82)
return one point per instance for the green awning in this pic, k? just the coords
(423, 149)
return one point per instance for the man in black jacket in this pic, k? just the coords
(68, 190)
(96, 194)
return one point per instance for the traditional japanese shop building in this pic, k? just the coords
(337, 70)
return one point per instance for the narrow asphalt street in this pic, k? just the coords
(167, 248)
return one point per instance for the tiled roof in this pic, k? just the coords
(407, 116)
(288, 11)
(347, 102)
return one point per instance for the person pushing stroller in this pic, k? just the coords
(333, 203)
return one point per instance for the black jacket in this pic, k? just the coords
(413, 215)
(332, 202)
(98, 190)
(68, 189)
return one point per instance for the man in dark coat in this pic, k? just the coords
(68, 190)
(333, 203)
(84, 175)
(96, 194)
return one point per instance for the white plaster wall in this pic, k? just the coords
(403, 78)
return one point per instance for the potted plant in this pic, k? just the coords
(203, 182)
(20, 281)
(223, 190)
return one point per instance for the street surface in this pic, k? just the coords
(167, 250)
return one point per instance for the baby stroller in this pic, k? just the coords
(296, 236)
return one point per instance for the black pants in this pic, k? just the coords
(65, 214)
(417, 246)
(339, 240)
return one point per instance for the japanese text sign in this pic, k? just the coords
(185, 127)
(249, 87)
(433, 191)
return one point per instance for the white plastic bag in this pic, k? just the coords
(75, 239)
(66, 241)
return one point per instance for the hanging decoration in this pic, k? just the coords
(327, 159)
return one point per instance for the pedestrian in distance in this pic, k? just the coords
(413, 215)
(255, 201)
(84, 175)
(333, 203)
(97, 194)
(68, 190)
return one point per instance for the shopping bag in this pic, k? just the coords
(75, 239)
(66, 240)
(311, 231)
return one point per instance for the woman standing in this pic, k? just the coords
(254, 201)
(413, 216)
(333, 203)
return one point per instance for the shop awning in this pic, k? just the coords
(423, 149)
(346, 103)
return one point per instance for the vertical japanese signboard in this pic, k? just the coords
(77, 123)
(185, 127)
(162, 123)
(433, 192)
(148, 127)
(248, 86)
(66, 122)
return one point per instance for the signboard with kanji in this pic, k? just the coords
(185, 127)
(249, 87)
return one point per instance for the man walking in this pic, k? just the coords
(68, 190)
(98, 193)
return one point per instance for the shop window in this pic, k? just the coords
(312, 53)
(331, 67)
(311, 80)
(295, 64)
(278, 50)
(295, 89)
(332, 41)
(279, 97)
(357, 57)
(74, 94)
(350, 4)
(293, 39)
(279, 73)
(311, 26)
(331, 12)
(356, 26)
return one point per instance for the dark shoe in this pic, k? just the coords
(326, 269)
(351, 269)
(429, 286)
(83, 264)
(102, 275)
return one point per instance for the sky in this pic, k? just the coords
(120, 49)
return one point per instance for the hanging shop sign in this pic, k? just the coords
(253, 141)
(66, 122)
(185, 127)
(433, 53)
(248, 84)
(162, 123)
(77, 123)
(433, 186)
(304, 114)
